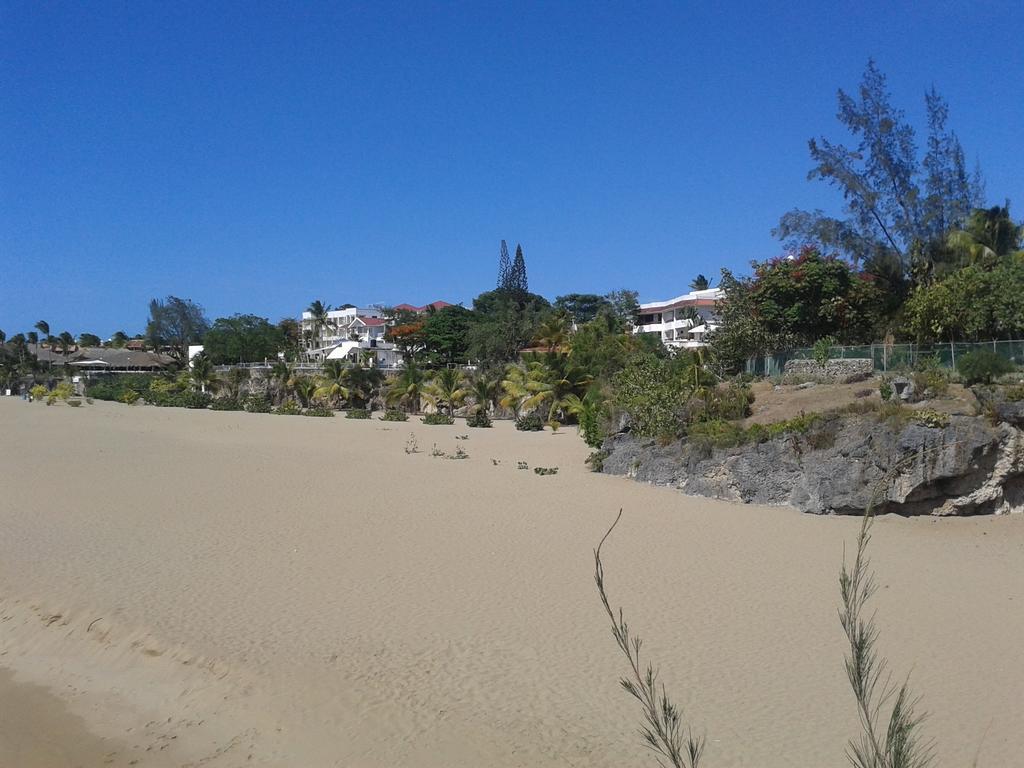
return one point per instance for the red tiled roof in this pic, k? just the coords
(425, 307)
(371, 320)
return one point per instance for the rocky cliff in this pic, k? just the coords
(965, 467)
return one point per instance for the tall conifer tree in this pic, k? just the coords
(504, 268)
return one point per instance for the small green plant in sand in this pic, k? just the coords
(436, 452)
(38, 392)
(412, 445)
(545, 470)
(357, 413)
(522, 465)
(596, 460)
(462, 437)
(394, 414)
(459, 454)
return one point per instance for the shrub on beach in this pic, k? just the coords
(438, 419)
(318, 410)
(478, 419)
(288, 408)
(357, 413)
(113, 387)
(129, 397)
(257, 404)
(226, 404)
(531, 422)
(63, 391)
(38, 392)
(393, 414)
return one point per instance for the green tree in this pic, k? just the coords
(554, 332)
(485, 390)
(304, 387)
(583, 307)
(557, 378)
(894, 202)
(318, 310)
(66, 341)
(988, 234)
(201, 372)
(44, 328)
(119, 339)
(625, 305)
(445, 334)
(972, 303)
(446, 390)
(792, 302)
(174, 324)
(504, 267)
(407, 388)
(503, 325)
(653, 395)
(89, 340)
(243, 339)
(700, 283)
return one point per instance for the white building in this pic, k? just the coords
(355, 334)
(682, 322)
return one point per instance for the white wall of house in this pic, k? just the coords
(674, 322)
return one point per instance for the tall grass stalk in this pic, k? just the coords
(664, 730)
(890, 740)
(889, 713)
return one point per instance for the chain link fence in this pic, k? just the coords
(890, 357)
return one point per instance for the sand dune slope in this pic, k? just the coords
(223, 589)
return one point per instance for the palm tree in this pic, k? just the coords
(44, 328)
(446, 390)
(363, 384)
(553, 332)
(319, 311)
(407, 388)
(485, 391)
(304, 388)
(332, 386)
(558, 379)
(700, 283)
(66, 342)
(119, 339)
(201, 372)
(516, 386)
(587, 410)
(3, 337)
(233, 381)
(988, 234)
(32, 338)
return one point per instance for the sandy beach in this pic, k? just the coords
(185, 588)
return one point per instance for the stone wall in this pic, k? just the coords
(833, 370)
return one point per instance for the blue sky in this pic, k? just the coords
(254, 156)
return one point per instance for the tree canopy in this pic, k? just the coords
(895, 202)
(243, 339)
(174, 324)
